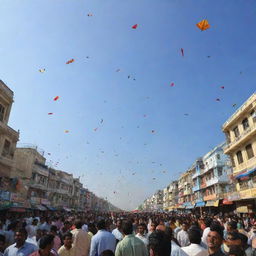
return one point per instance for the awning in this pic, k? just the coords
(227, 202)
(66, 209)
(190, 207)
(200, 204)
(247, 173)
(216, 203)
(210, 203)
(41, 208)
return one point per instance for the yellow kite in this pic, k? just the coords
(203, 25)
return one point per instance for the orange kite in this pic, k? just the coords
(203, 25)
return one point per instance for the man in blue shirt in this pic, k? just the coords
(102, 241)
(20, 247)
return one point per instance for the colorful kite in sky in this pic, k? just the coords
(172, 84)
(50, 113)
(70, 61)
(203, 25)
(41, 70)
(135, 26)
(56, 98)
(222, 87)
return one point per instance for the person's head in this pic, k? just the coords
(67, 239)
(215, 237)
(119, 224)
(244, 240)
(127, 227)
(67, 225)
(107, 253)
(53, 230)
(153, 226)
(159, 244)
(78, 224)
(46, 244)
(20, 236)
(35, 222)
(236, 250)
(2, 243)
(194, 235)
(184, 226)
(232, 226)
(141, 229)
(233, 238)
(207, 222)
(101, 225)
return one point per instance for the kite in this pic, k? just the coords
(185, 114)
(49, 154)
(135, 26)
(101, 121)
(50, 113)
(145, 115)
(129, 77)
(89, 15)
(66, 131)
(95, 129)
(203, 25)
(222, 87)
(70, 61)
(118, 70)
(152, 131)
(153, 178)
(217, 99)
(182, 52)
(234, 105)
(87, 57)
(42, 70)
(133, 173)
(208, 56)
(172, 84)
(56, 98)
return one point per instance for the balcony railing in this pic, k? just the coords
(215, 180)
(196, 188)
(247, 132)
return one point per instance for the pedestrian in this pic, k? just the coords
(117, 232)
(195, 249)
(130, 245)
(103, 240)
(215, 240)
(141, 233)
(67, 249)
(182, 236)
(45, 246)
(20, 247)
(57, 241)
(2, 244)
(81, 241)
(159, 244)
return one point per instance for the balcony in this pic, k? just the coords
(245, 135)
(187, 192)
(215, 180)
(196, 188)
(248, 164)
(35, 184)
(210, 197)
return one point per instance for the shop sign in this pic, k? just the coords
(16, 198)
(242, 209)
(253, 192)
(245, 194)
(234, 196)
(4, 195)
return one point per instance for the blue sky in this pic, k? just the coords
(45, 34)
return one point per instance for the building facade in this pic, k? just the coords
(240, 131)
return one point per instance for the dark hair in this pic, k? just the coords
(127, 227)
(194, 235)
(207, 222)
(23, 231)
(236, 250)
(243, 238)
(168, 232)
(67, 234)
(101, 224)
(160, 244)
(217, 228)
(45, 241)
(78, 224)
(2, 238)
(66, 222)
(107, 253)
(234, 235)
(232, 224)
(54, 228)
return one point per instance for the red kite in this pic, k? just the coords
(135, 26)
(56, 98)
(203, 25)
(50, 113)
(70, 61)
(222, 87)
(172, 84)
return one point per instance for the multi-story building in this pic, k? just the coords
(240, 131)
(166, 198)
(173, 195)
(8, 136)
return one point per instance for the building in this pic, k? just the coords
(8, 136)
(240, 131)
(173, 195)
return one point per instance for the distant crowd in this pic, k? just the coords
(128, 234)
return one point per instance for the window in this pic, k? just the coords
(228, 136)
(6, 149)
(249, 151)
(253, 115)
(239, 157)
(1, 112)
(218, 156)
(219, 171)
(233, 162)
(236, 131)
(245, 124)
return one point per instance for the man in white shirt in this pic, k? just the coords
(117, 232)
(141, 234)
(207, 222)
(195, 249)
(182, 236)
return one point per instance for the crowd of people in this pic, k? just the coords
(128, 234)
